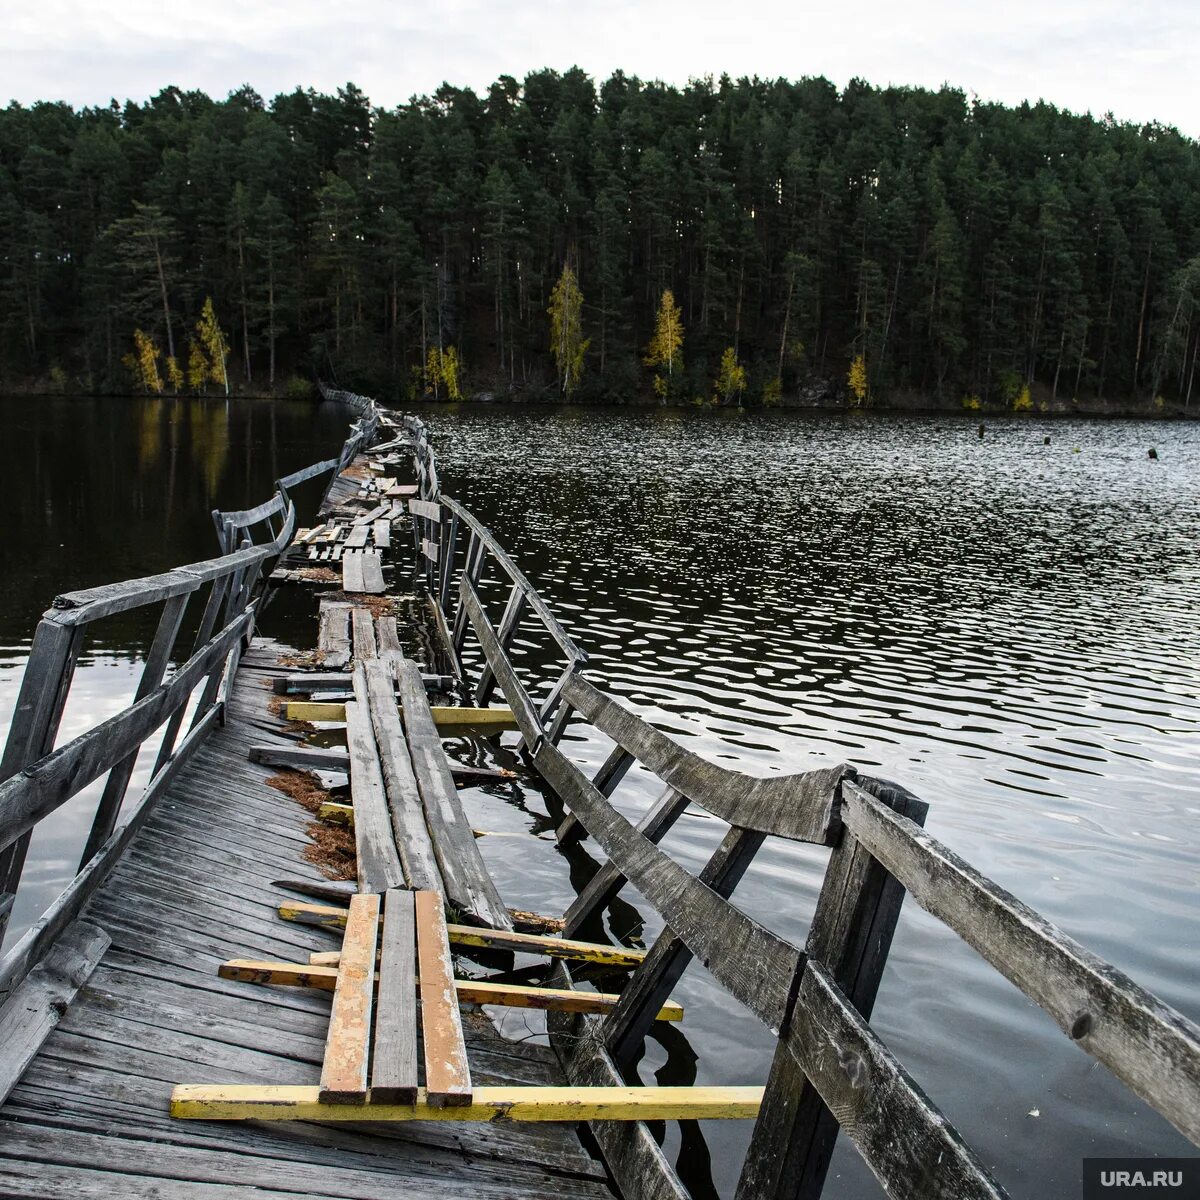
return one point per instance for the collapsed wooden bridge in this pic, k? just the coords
(178, 1023)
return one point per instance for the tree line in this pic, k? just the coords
(731, 241)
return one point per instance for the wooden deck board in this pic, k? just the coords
(89, 1117)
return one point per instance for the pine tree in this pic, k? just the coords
(567, 342)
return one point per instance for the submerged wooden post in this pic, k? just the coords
(470, 572)
(504, 636)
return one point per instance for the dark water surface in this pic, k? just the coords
(1009, 629)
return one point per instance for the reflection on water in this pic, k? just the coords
(101, 490)
(1006, 627)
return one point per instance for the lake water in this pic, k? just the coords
(1008, 628)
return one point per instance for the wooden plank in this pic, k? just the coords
(911, 1148)
(753, 964)
(304, 758)
(378, 862)
(625, 1030)
(352, 571)
(409, 830)
(348, 1046)
(333, 634)
(1153, 1048)
(357, 537)
(313, 710)
(322, 976)
(850, 935)
(513, 611)
(800, 807)
(337, 814)
(604, 886)
(372, 570)
(36, 1005)
(394, 1065)
(467, 883)
(447, 1075)
(425, 509)
(362, 629)
(257, 1102)
(381, 534)
(606, 781)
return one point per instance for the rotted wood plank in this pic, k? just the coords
(304, 758)
(356, 539)
(348, 1045)
(467, 882)
(256, 1102)
(425, 509)
(382, 534)
(39, 1001)
(394, 1065)
(362, 624)
(447, 1075)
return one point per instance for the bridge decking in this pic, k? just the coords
(90, 1116)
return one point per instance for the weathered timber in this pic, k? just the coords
(850, 936)
(239, 1102)
(333, 633)
(800, 807)
(394, 1063)
(606, 781)
(352, 572)
(608, 881)
(362, 634)
(315, 681)
(910, 1147)
(751, 963)
(649, 986)
(372, 573)
(36, 1005)
(1153, 1048)
(504, 636)
(348, 1047)
(304, 758)
(468, 886)
(404, 802)
(378, 861)
(447, 1075)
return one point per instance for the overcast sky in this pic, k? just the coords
(1138, 60)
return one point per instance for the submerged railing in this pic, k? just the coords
(830, 1071)
(36, 779)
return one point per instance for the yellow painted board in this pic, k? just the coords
(444, 716)
(470, 991)
(242, 1102)
(334, 917)
(338, 814)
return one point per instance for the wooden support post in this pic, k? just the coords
(348, 1045)
(394, 1064)
(850, 936)
(155, 668)
(446, 564)
(504, 636)
(625, 1028)
(34, 726)
(447, 1076)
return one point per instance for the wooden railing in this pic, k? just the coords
(36, 779)
(830, 1069)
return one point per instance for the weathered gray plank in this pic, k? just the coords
(394, 1064)
(357, 537)
(362, 634)
(1153, 1048)
(378, 863)
(372, 571)
(333, 633)
(467, 883)
(912, 1149)
(352, 571)
(304, 758)
(36, 1005)
(412, 838)
(800, 807)
(751, 963)
(348, 1045)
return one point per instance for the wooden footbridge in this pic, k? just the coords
(181, 1022)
